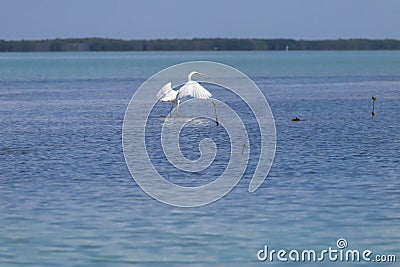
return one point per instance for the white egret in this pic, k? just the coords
(189, 89)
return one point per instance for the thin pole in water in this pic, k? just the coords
(243, 147)
(215, 110)
(373, 105)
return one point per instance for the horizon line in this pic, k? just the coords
(201, 38)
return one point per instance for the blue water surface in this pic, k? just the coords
(67, 197)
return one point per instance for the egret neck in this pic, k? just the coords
(194, 73)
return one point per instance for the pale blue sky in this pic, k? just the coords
(150, 19)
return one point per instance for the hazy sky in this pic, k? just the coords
(149, 19)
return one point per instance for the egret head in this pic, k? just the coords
(194, 73)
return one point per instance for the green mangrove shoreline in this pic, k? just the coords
(197, 44)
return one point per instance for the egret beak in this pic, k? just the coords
(200, 74)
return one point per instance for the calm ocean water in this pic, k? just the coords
(67, 198)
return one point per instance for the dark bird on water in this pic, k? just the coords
(296, 119)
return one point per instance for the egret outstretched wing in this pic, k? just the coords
(166, 89)
(170, 96)
(194, 89)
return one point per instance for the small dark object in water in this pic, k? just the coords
(296, 119)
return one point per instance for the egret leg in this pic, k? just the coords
(170, 111)
(177, 108)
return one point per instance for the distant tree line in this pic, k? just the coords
(205, 44)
